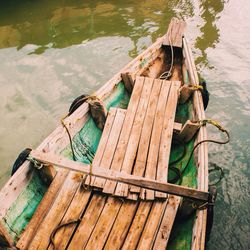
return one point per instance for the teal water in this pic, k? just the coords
(53, 51)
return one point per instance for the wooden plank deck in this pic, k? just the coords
(135, 141)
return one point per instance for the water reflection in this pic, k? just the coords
(60, 24)
(210, 12)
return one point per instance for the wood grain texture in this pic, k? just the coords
(152, 159)
(102, 144)
(110, 186)
(131, 151)
(141, 158)
(41, 239)
(42, 210)
(111, 145)
(166, 224)
(166, 135)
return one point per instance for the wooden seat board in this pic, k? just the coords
(74, 213)
(130, 155)
(140, 164)
(42, 210)
(136, 228)
(105, 222)
(121, 225)
(103, 141)
(110, 186)
(105, 216)
(167, 222)
(41, 239)
(152, 224)
(111, 145)
(152, 159)
(166, 136)
(88, 222)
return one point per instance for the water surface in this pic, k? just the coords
(53, 51)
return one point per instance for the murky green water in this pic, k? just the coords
(53, 51)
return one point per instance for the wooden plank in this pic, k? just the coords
(49, 158)
(137, 225)
(167, 223)
(103, 141)
(175, 33)
(121, 225)
(152, 158)
(199, 228)
(105, 222)
(74, 213)
(41, 239)
(5, 237)
(130, 155)
(111, 145)
(140, 164)
(177, 127)
(166, 135)
(185, 93)
(42, 210)
(88, 222)
(110, 186)
(128, 81)
(188, 130)
(152, 224)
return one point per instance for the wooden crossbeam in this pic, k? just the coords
(50, 158)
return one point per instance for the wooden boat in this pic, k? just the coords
(54, 207)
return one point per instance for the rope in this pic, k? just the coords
(70, 138)
(179, 172)
(52, 236)
(165, 75)
(72, 108)
(87, 187)
(202, 123)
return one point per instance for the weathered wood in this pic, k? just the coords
(199, 228)
(185, 93)
(121, 225)
(5, 238)
(176, 30)
(88, 222)
(128, 81)
(177, 127)
(111, 145)
(47, 174)
(41, 239)
(102, 144)
(166, 135)
(49, 158)
(140, 164)
(167, 223)
(110, 186)
(104, 224)
(74, 213)
(130, 155)
(150, 229)
(42, 210)
(152, 160)
(137, 225)
(188, 130)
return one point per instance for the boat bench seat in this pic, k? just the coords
(138, 140)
